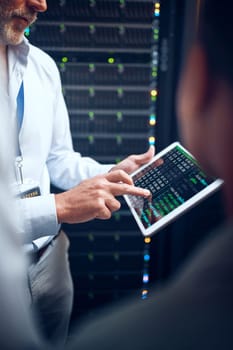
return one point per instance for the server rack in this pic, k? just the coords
(175, 243)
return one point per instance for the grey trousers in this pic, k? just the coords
(51, 290)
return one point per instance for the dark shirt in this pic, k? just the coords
(194, 311)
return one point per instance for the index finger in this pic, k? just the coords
(119, 176)
(118, 189)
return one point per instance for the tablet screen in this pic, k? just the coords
(176, 182)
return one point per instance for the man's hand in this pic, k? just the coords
(133, 162)
(95, 198)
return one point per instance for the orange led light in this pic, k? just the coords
(154, 92)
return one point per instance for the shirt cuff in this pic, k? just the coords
(39, 217)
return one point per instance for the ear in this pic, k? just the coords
(193, 92)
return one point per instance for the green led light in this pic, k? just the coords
(120, 68)
(119, 116)
(64, 59)
(119, 139)
(121, 29)
(91, 66)
(91, 139)
(91, 115)
(62, 27)
(111, 60)
(120, 92)
(91, 91)
(92, 28)
(153, 98)
(91, 237)
(90, 256)
(154, 74)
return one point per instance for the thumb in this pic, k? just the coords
(145, 157)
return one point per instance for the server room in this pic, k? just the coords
(116, 182)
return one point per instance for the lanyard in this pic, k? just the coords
(20, 114)
(20, 106)
(30, 189)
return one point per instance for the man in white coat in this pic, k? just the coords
(30, 80)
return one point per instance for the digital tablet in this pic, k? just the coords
(176, 182)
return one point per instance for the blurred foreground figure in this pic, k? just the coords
(17, 331)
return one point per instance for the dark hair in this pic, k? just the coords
(216, 35)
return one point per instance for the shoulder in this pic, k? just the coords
(42, 62)
(208, 265)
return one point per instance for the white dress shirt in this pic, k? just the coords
(45, 139)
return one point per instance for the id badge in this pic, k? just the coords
(28, 189)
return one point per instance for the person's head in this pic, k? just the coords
(205, 95)
(16, 16)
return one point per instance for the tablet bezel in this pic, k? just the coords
(168, 218)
